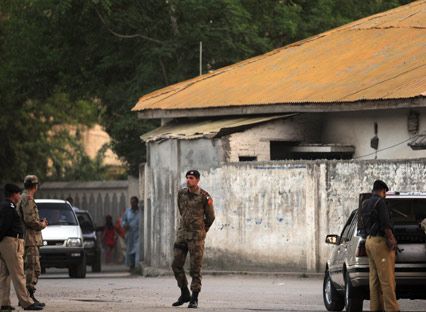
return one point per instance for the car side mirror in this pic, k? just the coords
(332, 239)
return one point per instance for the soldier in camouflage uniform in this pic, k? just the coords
(197, 215)
(33, 239)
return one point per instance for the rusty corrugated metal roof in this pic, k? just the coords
(189, 130)
(379, 57)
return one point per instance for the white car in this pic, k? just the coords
(62, 238)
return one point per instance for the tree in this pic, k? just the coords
(113, 51)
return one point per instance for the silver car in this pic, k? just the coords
(346, 275)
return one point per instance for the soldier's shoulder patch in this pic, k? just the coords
(208, 197)
(209, 201)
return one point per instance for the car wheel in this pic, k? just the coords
(353, 298)
(333, 301)
(97, 266)
(78, 271)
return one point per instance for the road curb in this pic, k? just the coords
(156, 272)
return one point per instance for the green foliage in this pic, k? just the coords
(80, 61)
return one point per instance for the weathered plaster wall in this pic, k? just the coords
(271, 216)
(345, 180)
(357, 128)
(258, 211)
(275, 216)
(166, 165)
(256, 141)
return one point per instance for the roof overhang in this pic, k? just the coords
(285, 108)
(208, 128)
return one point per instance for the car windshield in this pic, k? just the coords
(407, 211)
(57, 213)
(85, 222)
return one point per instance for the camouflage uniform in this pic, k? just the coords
(33, 239)
(197, 215)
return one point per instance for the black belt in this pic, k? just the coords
(18, 235)
(377, 235)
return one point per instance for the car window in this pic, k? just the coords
(85, 221)
(57, 213)
(351, 228)
(407, 211)
(347, 228)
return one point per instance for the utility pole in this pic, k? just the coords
(201, 58)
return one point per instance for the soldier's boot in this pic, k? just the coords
(31, 292)
(185, 296)
(193, 304)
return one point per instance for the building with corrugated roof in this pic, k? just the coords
(357, 83)
(357, 92)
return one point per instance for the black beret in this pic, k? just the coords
(11, 189)
(380, 185)
(194, 173)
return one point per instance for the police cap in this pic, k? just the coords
(194, 173)
(380, 185)
(10, 189)
(30, 180)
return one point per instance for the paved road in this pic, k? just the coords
(118, 291)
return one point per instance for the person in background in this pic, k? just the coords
(109, 239)
(130, 222)
(120, 249)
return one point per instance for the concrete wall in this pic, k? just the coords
(167, 163)
(271, 216)
(357, 128)
(256, 141)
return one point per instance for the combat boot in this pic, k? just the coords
(185, 296)
(193, 304)
(31, 292)
(34, 307)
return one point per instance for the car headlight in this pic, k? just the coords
(89, 244)
(73, 242)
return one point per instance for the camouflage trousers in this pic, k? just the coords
(32, 266)
(196, 253)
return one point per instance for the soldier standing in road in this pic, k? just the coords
(381, 249)
(33, 239)
(12, 252)
(196, 216)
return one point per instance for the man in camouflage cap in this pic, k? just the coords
(196, 216)
(33, 239)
